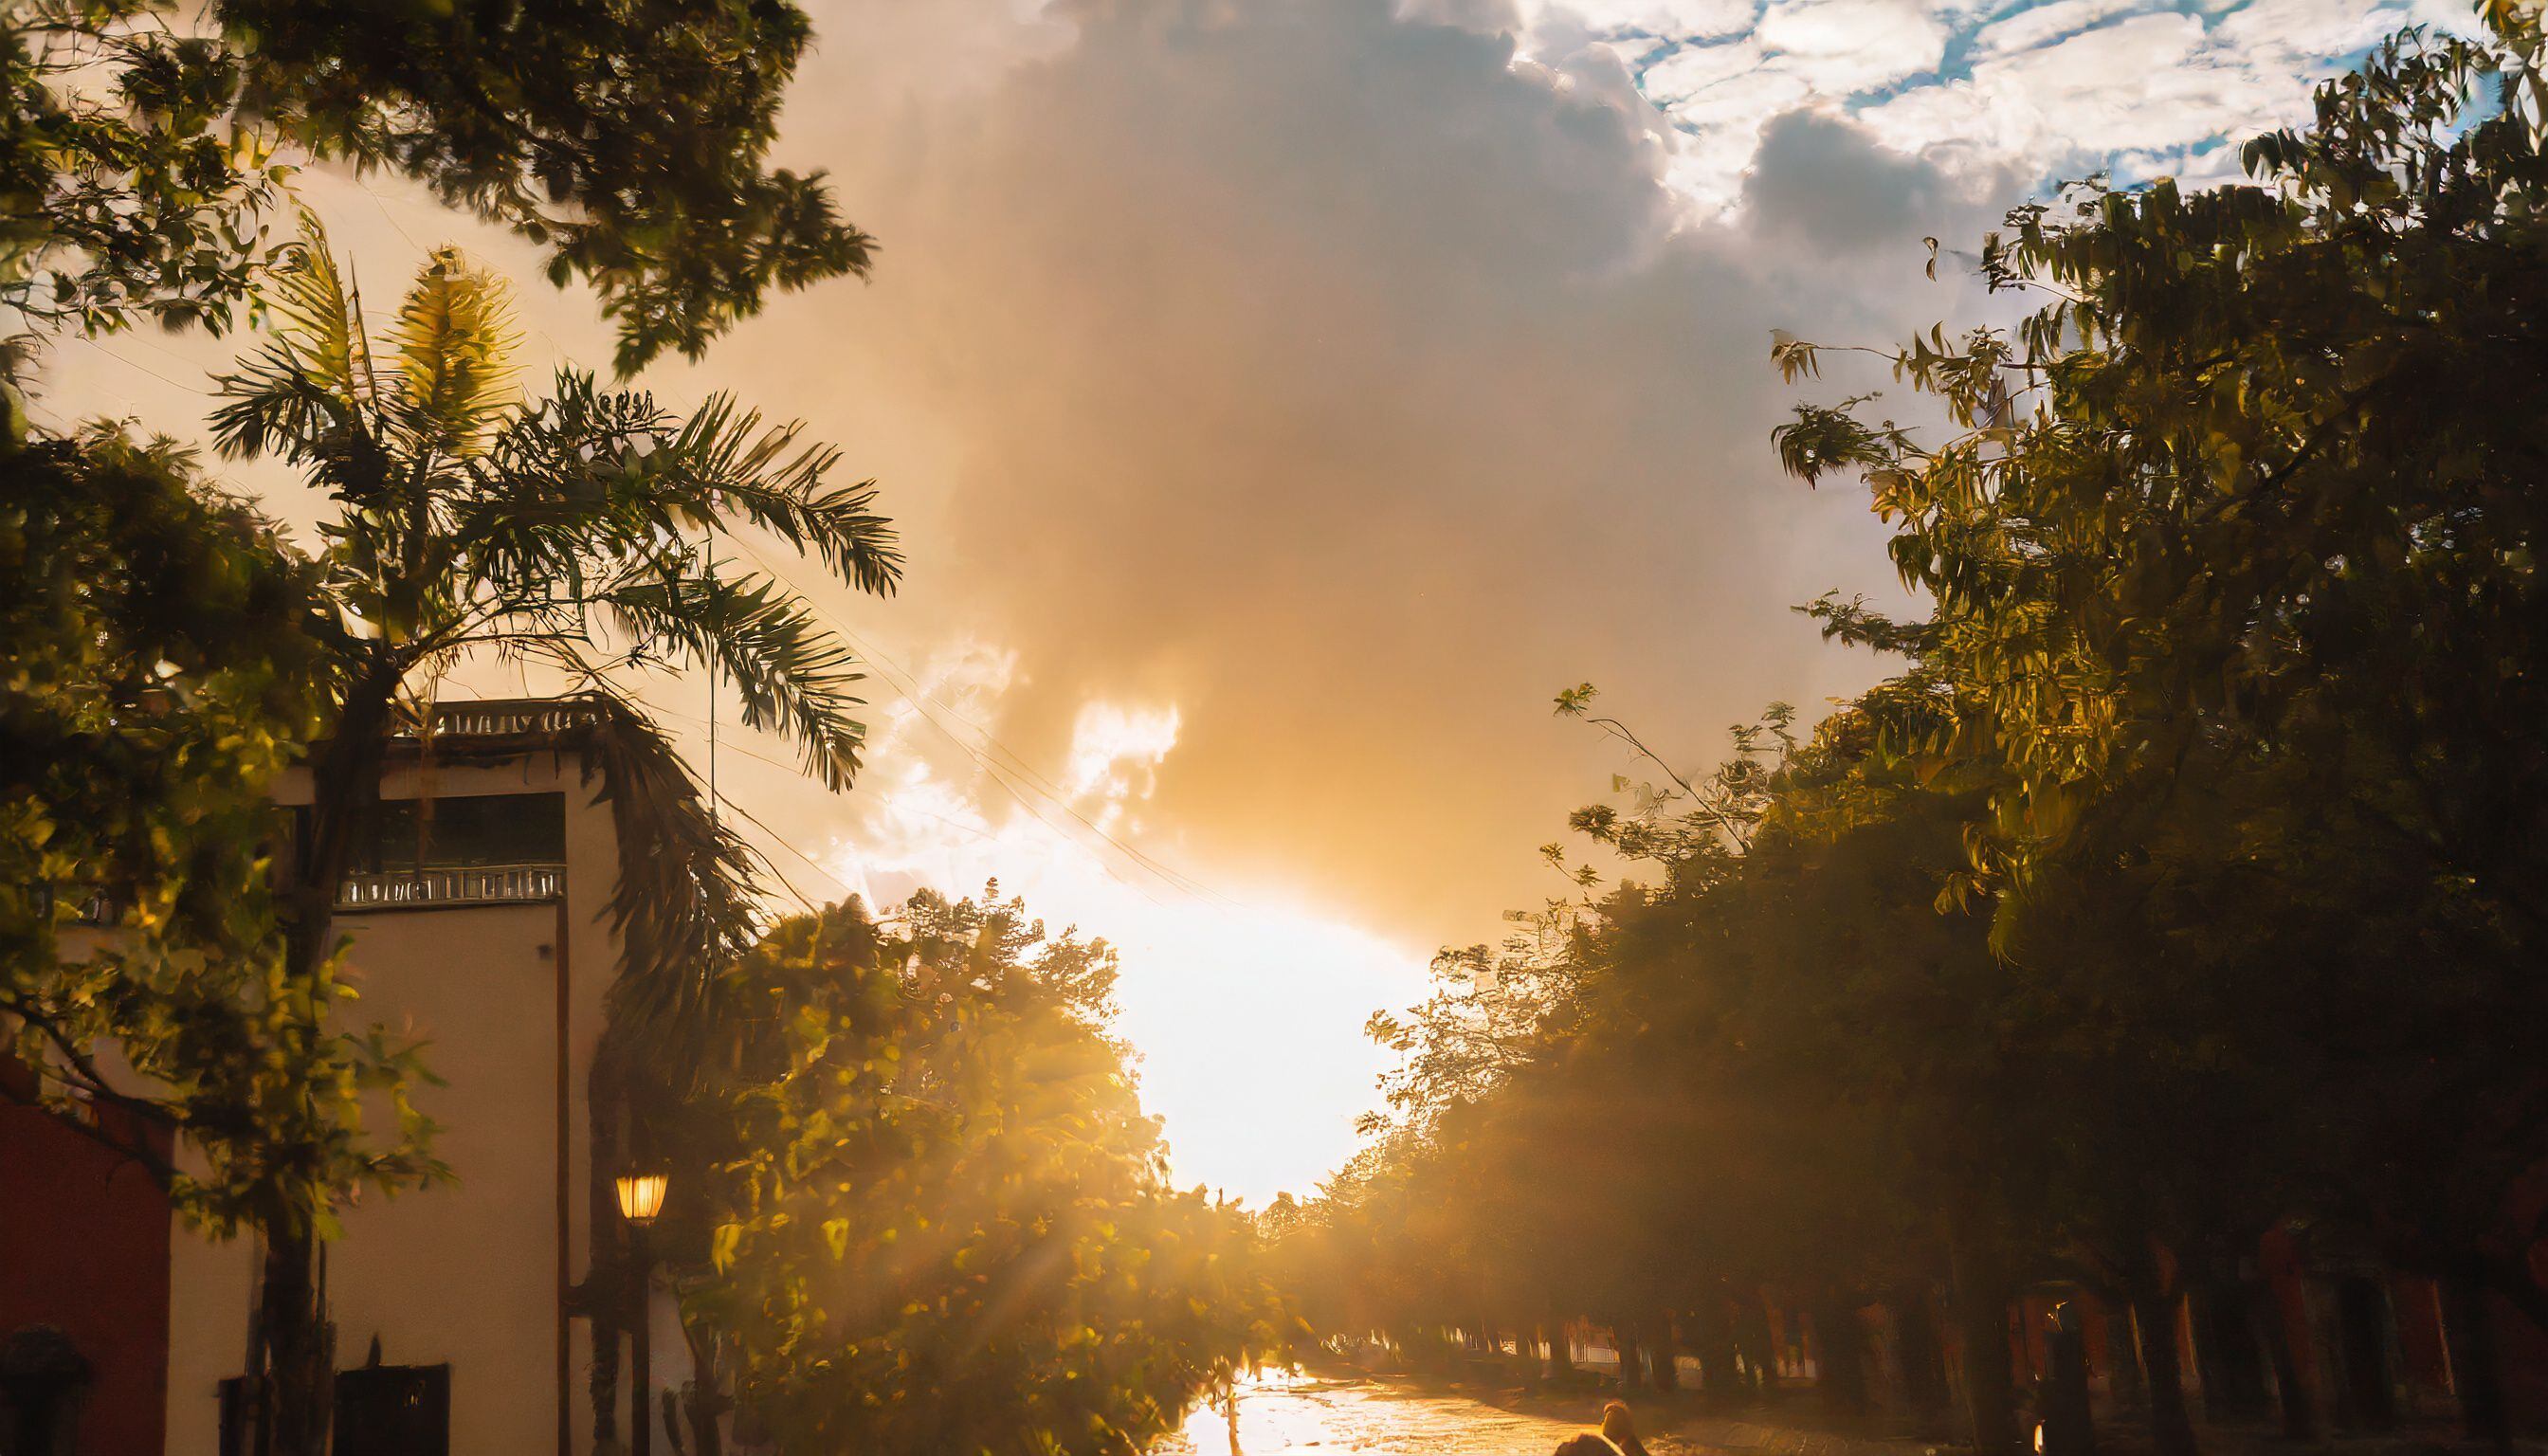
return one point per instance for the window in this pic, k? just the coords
(470, 830)
(460, 850)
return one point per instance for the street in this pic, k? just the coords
(1329, 1414)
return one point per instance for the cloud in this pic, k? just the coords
(1327, 375)
(2025, 29)
(1677, 18)
(1838, 46)
(2056, 88)
(1244, 1015)
(1281, 400)
(1826, 182)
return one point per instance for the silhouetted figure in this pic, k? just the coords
(1617, 1437)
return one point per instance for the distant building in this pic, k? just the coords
(481, 918)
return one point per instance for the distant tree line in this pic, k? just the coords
(2184, 883)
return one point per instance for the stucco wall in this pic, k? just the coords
(466, 1273)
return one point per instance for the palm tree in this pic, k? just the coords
(562, 532)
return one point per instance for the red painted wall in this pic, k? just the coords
(84, 1247)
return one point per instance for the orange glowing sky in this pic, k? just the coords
(1282, 399)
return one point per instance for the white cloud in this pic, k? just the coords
(2045, 90)
(2025, 29)
(2083, 83)
(1246, 1014)
(1845, 46)
(1116, 752)
(1677, 18)
(2132, 84)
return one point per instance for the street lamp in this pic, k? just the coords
(641, 1198)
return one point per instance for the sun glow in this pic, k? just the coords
(1246, 1012)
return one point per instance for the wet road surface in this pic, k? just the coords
(1332, 1416)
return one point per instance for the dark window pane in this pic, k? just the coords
(487, 829)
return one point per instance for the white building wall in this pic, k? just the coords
(466, 1273)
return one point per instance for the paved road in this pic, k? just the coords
(1334, 1416)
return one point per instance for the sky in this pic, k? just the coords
(1283, 400)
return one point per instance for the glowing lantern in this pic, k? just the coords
(641, 1196)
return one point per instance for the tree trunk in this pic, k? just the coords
(1561, 1359)
(2068, 1424)
(2172, 1428)
(300, 1359)
(2477, 1372)
(1752, 1337)
(2226, 1357)
(1713, 1324)
(1665, 1354)
(2124, 1385)
(1981, 1322)
(1623, 1335)
(299, 1378)
(1840, 1369)
(1924, 1360)
(2291, 1392)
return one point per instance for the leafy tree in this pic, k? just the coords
(146, 149)
(161, 674)
(2177, 887)
(2232, 555)
(939, 1219)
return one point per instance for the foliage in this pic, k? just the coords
(2233, 565)
(132, 187)
(2178, 889)
(159, 677)
(470, 520)
(466, 520)
(143, 155)
(941, 1220)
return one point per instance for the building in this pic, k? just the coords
(481, 917)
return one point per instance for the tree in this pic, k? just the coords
(145, 151)
(161, 673)
(2232, 555)
(560, 533)
(937, 1218)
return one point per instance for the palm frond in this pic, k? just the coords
(456, 336)
(317, 319)
(313, 378)
(795, 677)
(725, 461)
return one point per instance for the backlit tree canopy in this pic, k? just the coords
(941, 1220)
(146, 147)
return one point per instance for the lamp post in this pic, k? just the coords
(641, 1198)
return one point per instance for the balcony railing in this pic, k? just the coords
(510, 717)
(459, 884)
